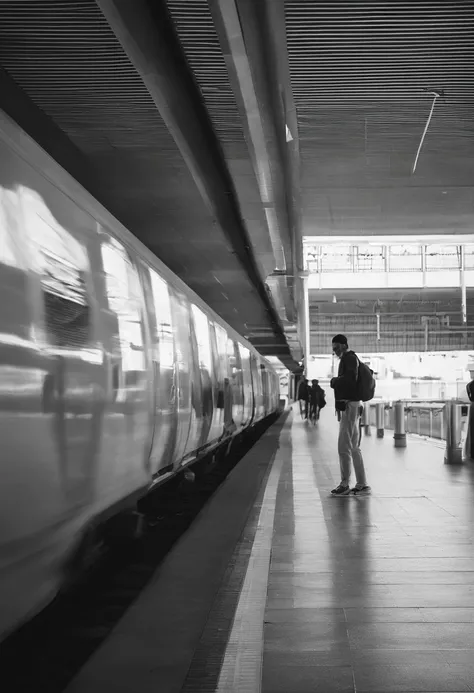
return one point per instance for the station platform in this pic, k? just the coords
(279, 587)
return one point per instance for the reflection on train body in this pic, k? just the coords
(113, 374)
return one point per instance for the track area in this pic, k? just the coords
(58, 642)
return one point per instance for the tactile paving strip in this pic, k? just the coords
(229, 656)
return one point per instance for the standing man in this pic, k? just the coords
(348, 406)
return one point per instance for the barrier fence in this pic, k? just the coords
(448, 421)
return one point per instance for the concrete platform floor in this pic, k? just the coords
(279, 587)
(372, 594)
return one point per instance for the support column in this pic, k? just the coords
(307, 327)
(462, 277)
(453, 452)
(423, 264)
(399, 436)
(320, 266)
(380, 419)
(366, 418)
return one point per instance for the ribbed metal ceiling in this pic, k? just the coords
(344, 54)
(68, 61)
(359, 71)
(200, 42)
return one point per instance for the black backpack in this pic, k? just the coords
(365, 382)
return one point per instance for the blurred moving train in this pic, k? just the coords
(114, 375)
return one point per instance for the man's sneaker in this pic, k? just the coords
(361, 490)
(341, 490)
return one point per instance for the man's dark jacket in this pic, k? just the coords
(345, 385)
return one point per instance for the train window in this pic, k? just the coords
(247, 379)
(124, 299)
(164, 325)
(203, 339)
(10, 237)
(221, 337)
(62, 264)
(15, 309)
(264, 374)
(235, 371)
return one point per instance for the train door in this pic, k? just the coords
(165, 423)
(186, 417)
(126, 441)
(218, 384)
(206, 371)
(265, 389)
(225, 403)
(257, 386)
(247, 384)
(236, 382)
(197, 407)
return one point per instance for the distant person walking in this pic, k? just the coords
(303, 397)
(316, 399)
(348, 407)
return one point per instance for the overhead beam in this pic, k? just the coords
(243, 63)
(241, 34)
(257, 66)
(274, 43)
(147, 36)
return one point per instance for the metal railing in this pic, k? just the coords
(448, 421)
(388, 258)
(421, 418)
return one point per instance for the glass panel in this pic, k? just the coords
(257, 385)
(206, 370)
(62, 263)
(164, 436)
(123, 294)
(442, 257)
(221, 338)
(405, 258)
(469, 256)
(10, 213)
(336, 258)
(203, 339)
(247, 380)
(236, 381)
(311, 254)
(164, 328)
(370, 259)
(15, 305)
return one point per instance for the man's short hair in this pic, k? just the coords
(339, 339)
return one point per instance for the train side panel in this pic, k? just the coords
(52, 384)
(113, 373)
